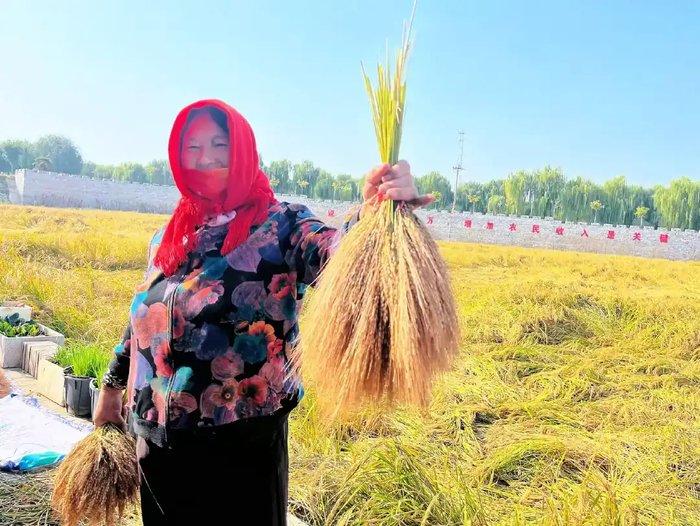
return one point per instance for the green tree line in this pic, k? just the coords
(541, 193)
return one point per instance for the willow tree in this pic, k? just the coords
(472, 188)
(575, 199)
(495, 204)
(515, 192)
(550, 185)
(679, 204)
(433, 182)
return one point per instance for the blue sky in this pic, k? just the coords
(599, 88)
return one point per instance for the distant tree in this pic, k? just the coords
(20, 154)
(158, 172)
(130, 173)
(472, 188)
(43, 163)
(323, 189)
(88, 169)
(679, 204)
(302, 183)
(281, 171)
(596, 206)
(433, 182)
(496, 204)
(640, 212)
(543, 192)
(575, 199)
(306, 171)
(63, 154)
(337, 187)
(4, 188)
(347, 187)
(104, 172)
(5, 164)
(515, 188)
(549, 186)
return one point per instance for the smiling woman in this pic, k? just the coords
(205, 140)
(205, 152)
(204, 355)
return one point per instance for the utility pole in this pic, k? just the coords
(458, 167)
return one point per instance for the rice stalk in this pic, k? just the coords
(98, 478)
(397, 327)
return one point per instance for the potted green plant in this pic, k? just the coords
(86, 361)
(15, 332)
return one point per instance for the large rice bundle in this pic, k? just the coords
(97, 479)
(382, 320)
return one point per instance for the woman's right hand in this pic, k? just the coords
(110, 408)
(394, 182)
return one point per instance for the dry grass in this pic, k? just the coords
(24, 499)
(98, 480)
(575, 400)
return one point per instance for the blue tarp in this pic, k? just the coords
(32, 437)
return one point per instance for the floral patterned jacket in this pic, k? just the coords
(208, 345)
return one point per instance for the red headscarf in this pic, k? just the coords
(247, 191)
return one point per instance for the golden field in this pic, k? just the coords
(575, 401)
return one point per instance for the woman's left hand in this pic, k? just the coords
(394, 182)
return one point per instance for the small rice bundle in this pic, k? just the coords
(381, 322)
(97, 479)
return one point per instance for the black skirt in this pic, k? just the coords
(231, 474)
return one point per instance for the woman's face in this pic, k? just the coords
(205, 144)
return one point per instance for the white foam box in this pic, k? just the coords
(11, 349)
(52, 381)
(32, 352)
(8, 308)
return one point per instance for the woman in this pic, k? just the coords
(204, 356)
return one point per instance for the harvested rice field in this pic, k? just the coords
(575, 399)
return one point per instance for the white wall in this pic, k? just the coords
(51, 189)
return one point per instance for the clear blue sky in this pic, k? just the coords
(599, 88)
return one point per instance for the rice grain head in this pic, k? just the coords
(398, 327)
(98, 479)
